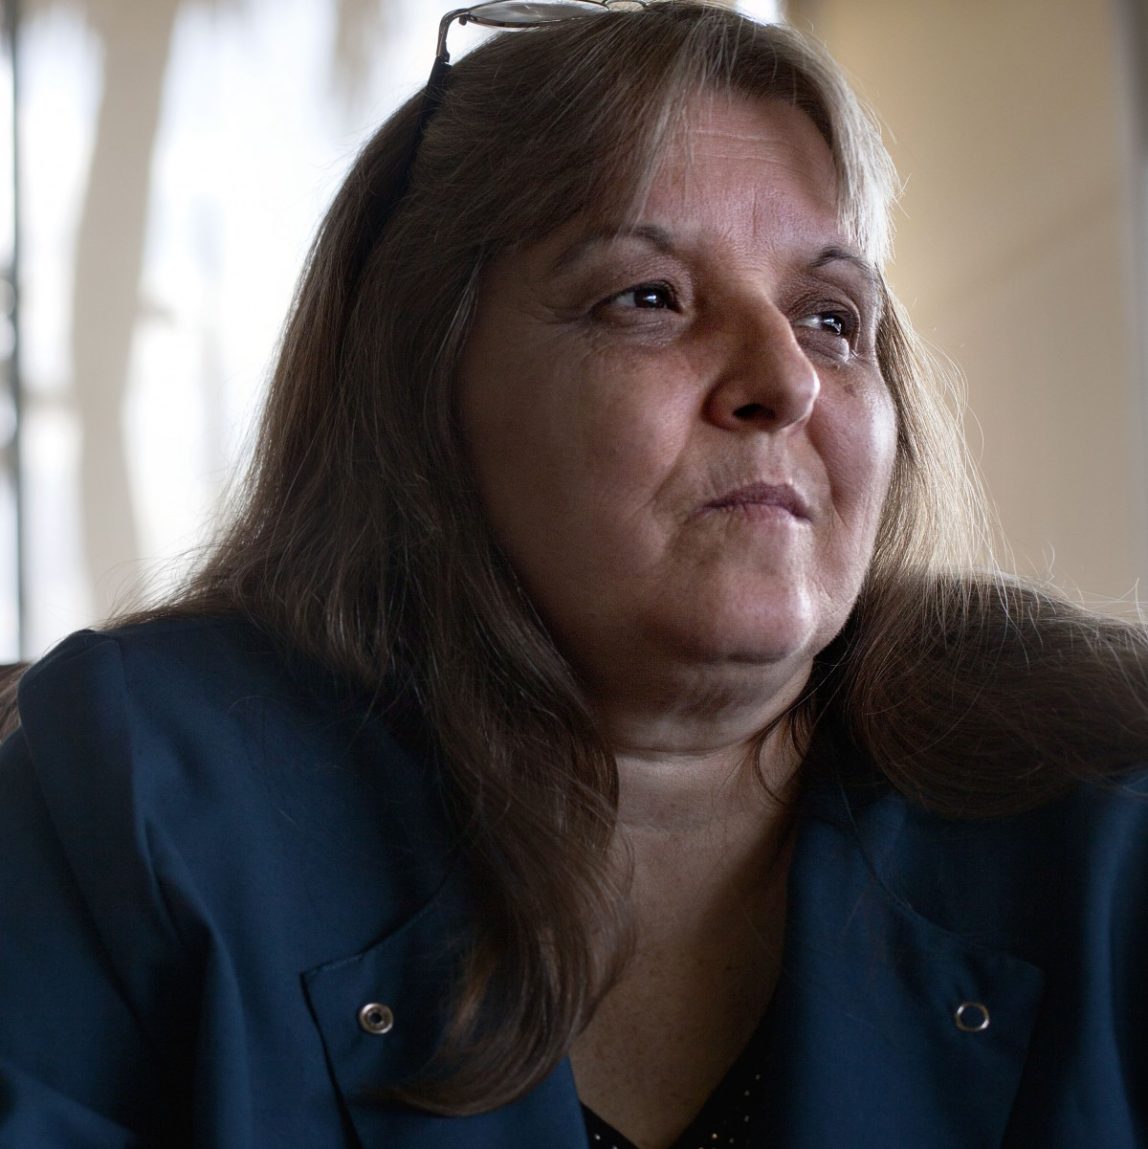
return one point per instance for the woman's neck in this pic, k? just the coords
(689, 747)
(675, 786)
(705, 848)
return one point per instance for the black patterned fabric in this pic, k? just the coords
(726, 1121)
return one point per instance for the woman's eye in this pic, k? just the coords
(646, 297)
(838, 325)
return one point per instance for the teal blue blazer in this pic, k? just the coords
(211, 859)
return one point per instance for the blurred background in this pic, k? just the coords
(164, 163)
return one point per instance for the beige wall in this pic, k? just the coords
(1010, 122)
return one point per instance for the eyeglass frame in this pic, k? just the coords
(470, 16)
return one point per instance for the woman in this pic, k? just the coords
(588, 730)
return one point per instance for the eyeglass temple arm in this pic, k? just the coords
(440, 70)
(436, 84)
(443, 27)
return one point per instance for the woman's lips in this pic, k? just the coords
(779, 496)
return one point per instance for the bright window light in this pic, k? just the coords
(766, 10)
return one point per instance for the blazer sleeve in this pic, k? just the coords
(77, 1067)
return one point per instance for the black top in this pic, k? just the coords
(728, 1118)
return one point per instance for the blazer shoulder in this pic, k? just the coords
(167, 656)
(202, 734)
(197, 693)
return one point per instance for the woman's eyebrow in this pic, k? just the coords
(834, 254)
(657, 237)
(661, 240)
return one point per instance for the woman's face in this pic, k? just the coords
(678, 426)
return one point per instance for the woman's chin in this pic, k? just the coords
(764, 635)
(725, 663)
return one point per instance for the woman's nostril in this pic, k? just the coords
(754, 411)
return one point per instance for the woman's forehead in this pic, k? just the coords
(742, 126)
(724, 154)
(746, 156)
(754, 173)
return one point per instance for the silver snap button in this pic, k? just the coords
(376, 1019)
(971, 1017)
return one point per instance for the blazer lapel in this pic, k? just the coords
(408, 978)
(868, 1047)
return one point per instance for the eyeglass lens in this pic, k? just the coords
(508, 13)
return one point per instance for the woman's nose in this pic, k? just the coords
(767, 381)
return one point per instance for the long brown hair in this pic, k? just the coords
(361, 543)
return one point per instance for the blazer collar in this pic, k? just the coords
(864, 1046)
(410, 972)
